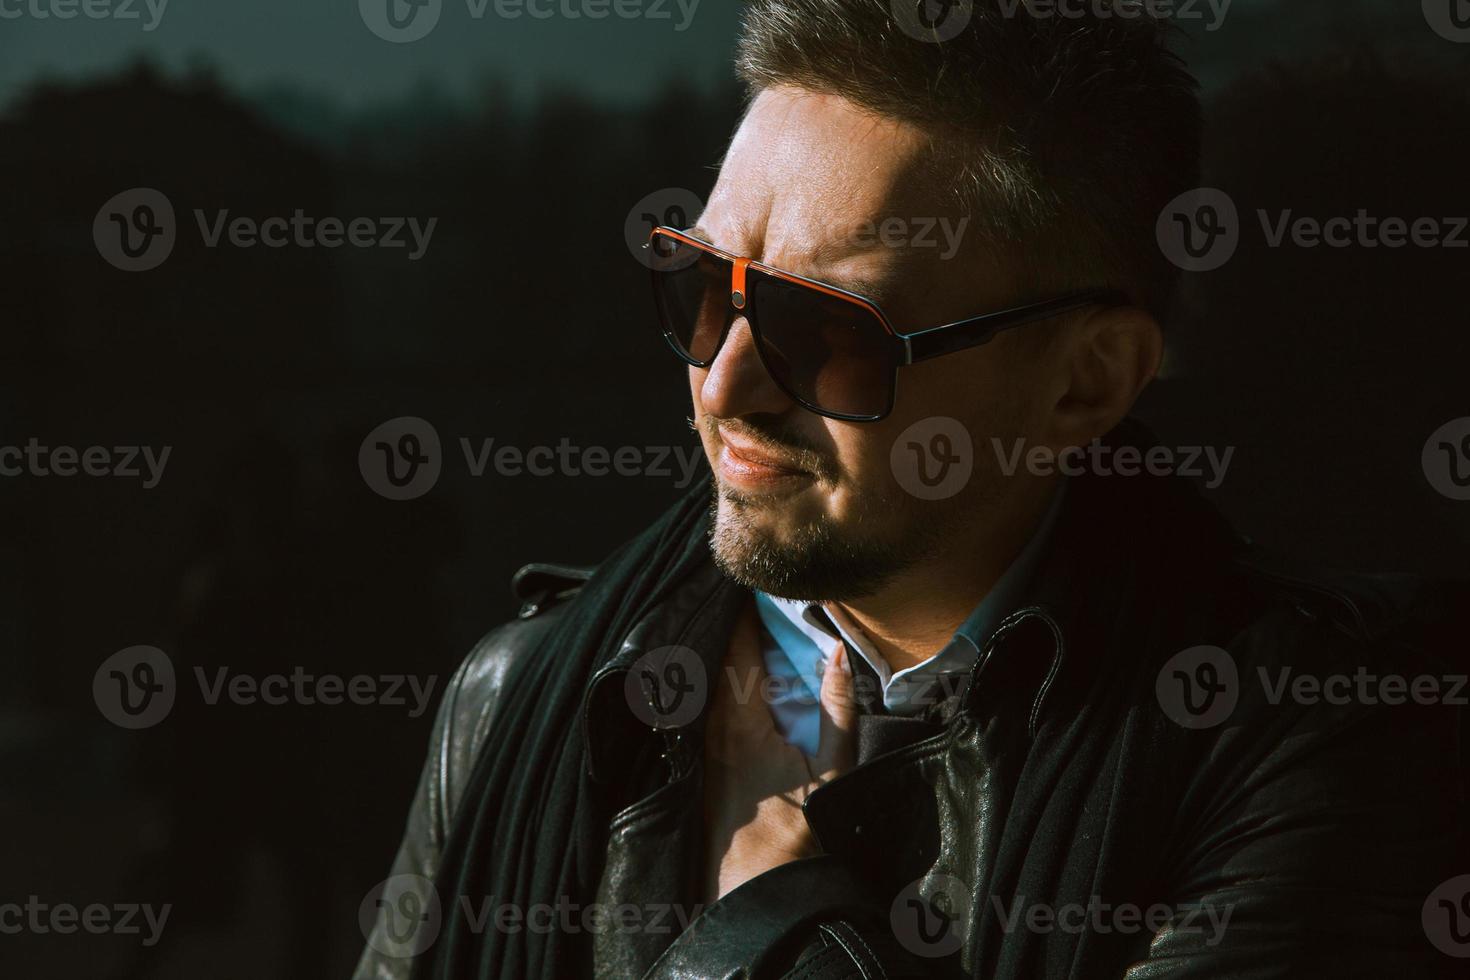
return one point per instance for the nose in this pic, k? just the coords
(737, 383)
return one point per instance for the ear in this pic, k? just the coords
(1109, 357)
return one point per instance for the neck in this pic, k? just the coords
(916, 613)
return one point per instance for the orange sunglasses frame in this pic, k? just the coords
(908, 348)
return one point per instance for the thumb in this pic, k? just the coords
(836, 746)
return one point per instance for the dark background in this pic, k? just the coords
(527, 320)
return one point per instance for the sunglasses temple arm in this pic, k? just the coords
(964, 334)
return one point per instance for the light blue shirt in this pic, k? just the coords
(799, 638)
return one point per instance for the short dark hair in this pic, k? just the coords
(1064, 136)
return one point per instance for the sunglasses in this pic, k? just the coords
(831, 351)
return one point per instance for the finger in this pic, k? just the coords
(836, 745)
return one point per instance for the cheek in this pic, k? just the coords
(981, 387)
(696, 383)
(863, 453)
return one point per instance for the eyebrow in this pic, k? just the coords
(869, 289)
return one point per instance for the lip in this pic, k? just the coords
(749, 466)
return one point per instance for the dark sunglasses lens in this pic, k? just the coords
(692, 290)
(830, 353)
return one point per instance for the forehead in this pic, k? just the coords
(806, 170)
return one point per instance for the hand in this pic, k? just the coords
(755, 783)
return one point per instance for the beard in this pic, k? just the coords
(822, 559)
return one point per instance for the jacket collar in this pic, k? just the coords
(1121, 545)
(681, 639)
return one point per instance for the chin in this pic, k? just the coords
(772, 548)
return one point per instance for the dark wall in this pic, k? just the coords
(262, 549)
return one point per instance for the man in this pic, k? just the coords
(891, 695)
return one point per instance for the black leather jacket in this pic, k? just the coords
(1064, 813)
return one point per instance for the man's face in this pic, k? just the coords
(810, 507)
